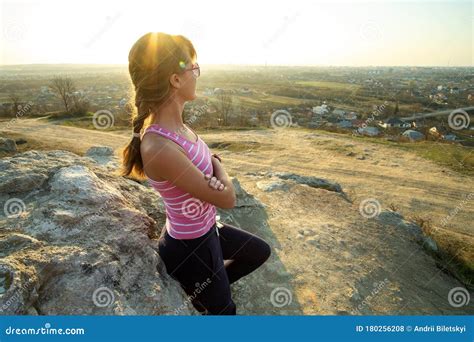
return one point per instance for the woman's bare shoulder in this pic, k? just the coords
(152, 143)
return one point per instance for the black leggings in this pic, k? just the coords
(198, 265)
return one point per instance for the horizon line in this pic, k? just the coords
(252, 65)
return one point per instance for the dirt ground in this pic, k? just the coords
(343, 256)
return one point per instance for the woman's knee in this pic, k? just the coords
(266, 251)
(262, 252)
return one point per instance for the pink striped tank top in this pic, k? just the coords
(187, 217)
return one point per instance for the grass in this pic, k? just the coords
(33, 144)
(452, 155)
(329, 85)
(84, 121)
(283, 101)
(260, 102)
(455, 254)
(239, 146)
(226, 129)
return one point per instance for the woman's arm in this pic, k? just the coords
(164, 160)
(219, 180)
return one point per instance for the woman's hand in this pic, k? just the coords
(214, 182)
(215, 161)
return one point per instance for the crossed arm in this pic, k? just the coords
(217, 180)
(164, 160)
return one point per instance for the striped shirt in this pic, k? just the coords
(187, 217)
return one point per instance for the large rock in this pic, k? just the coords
(369, 131)
(293, 178)
(104, 156)
(413, 135)
(7, 145)
(79, 239)
(272, 185)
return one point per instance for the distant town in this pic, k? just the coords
(412, 103)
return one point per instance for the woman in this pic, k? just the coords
(191, 181)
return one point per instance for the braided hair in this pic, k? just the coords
(152, 60)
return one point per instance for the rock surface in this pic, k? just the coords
(77, 239)
(7, 145)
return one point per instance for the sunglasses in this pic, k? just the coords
(195, 69)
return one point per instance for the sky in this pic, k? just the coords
(257, 32)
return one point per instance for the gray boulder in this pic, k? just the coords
(272, 186)
(413, 135)
(7, 145)
(77, 239)
(369, 131)
(103, 155)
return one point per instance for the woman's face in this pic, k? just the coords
(185, 83)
